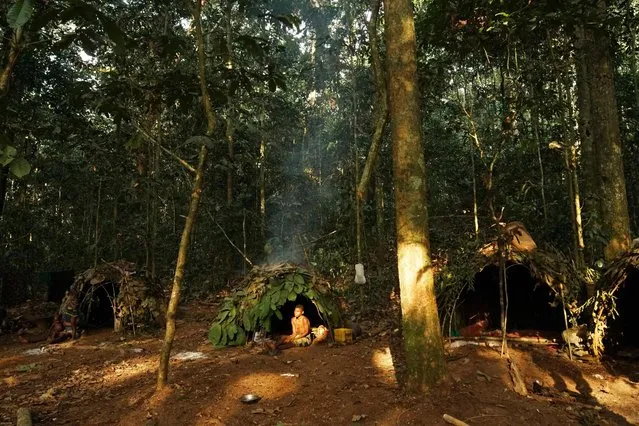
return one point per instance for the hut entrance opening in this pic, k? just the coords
(311, 312)
(96, 306)
(530, 302)
(623, 330)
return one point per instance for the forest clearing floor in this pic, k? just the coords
(107, 379)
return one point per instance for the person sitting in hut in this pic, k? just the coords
(65, 322)
(301, 335)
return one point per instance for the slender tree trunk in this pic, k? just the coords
(380, 108)
(609, 184)
(163, 370)
(96, 239)
(154, 211)
(633, 58)
(425, 362)
(358, 203)
(379, 206)
(4, 177)
(14, 52)
(542, 180)
(576, 199)
(574, 178)
(570, 160)
(263, 187)
(229, 130)
(475, 207)
(115, 227)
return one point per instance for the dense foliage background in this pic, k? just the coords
(104, 97)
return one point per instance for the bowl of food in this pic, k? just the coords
(250, 398)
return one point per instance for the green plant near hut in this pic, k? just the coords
(261, 296)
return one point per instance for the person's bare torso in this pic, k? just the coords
(301, 326)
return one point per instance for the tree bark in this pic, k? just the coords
(420, 320)
(608, 182)
(163, 371)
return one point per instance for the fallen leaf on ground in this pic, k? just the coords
(11, 381)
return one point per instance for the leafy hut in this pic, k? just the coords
(115, 294)
(538, 285)
(265, 299)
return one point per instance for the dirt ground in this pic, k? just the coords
(106, 379)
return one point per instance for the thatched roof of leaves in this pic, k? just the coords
(604, 300)
(135, 303)
(550, 267)
(259, 297)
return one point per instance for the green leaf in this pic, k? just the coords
(19, 13)
(20, 167)
(7, 155)
(113, 31)
(290, 21)
(231, 331)
(292, 296)
(246, 321)
(222, 316)
(265, 309)
(278, 314)
(135, 142)
(240, 339)
(42, 19)
(215, 334)
(199, 141)
(299, 279)
(65, 42)
(283, 297)
(275, 297)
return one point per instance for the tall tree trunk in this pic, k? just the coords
(608, 183)
(420, 321)
(163, 370)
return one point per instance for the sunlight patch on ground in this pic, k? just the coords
(270, 386)
(383, 362)
(127, 369)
